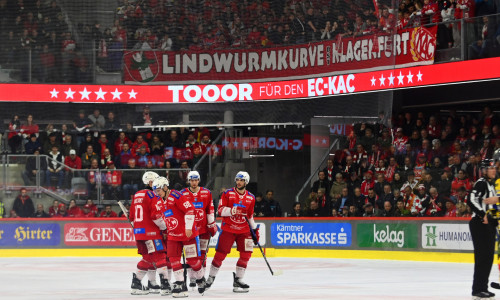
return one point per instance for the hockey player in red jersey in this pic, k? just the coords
(201, 198)
(146, 215)
(182, 235)
(236, 207)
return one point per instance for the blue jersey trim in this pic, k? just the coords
(139, 230)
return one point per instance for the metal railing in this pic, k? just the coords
(307, 183)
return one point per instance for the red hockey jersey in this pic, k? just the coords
(177, 208)
(203, 204)
(236, 224)
(146, 207)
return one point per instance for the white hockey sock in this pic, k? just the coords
(164, 271)
(190, 273)
(240, 272)
(198, 274)
(140, 274)
(179, 275)
(152, 276)
(168, 275)
(213, 271)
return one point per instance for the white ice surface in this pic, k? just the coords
(110, 278)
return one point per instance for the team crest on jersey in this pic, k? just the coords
(172, 223)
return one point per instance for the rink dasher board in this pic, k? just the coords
(412, 239)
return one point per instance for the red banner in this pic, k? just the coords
(472, 70)
(98, 234)
(253, 143)
(408, 47)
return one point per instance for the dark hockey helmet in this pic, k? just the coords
(487, 163)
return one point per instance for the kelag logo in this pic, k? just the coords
(382, 235)
(30, 234)
(311, 234)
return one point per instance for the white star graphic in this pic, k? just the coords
(100, 94)
(235, 143)
(116, 94)
(245, 144)
(373, 80)
(224, 143)
(382, 80)
(53, 93)
(401, 78)
(69, 93)
(391, 79)
(132, 94)
(419, 76)
(317, 141)
(85, 94)
(324, 141)
(410, 77)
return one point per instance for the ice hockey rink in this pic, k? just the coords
(110, 278)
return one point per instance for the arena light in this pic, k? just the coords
(261, 155)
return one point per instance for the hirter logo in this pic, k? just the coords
(422, 44)
(142, 66)
(76, 234)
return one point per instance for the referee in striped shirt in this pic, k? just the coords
(483, 228)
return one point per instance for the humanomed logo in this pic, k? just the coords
(431, 236)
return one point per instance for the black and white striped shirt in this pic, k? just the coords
(482, 189)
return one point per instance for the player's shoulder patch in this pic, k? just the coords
(228, 191)
(251, 195)
(175, 194)
(151, 194)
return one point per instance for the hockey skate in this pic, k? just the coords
(209, 282)
(153, 288)
(178, 291)
(483, 295)
(165, 289)
(239, 286)
(201, 285)
(137, 287)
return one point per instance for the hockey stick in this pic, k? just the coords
(125, 212)
(184, 266)
(256, 241)
(496, 214)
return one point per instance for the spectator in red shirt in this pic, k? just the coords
(113, 182)
(62, 213)
(92, 206)
(74, 211)
(139, 142)
(75, 163)
(451, 210)
(87, 213)
(122, 139)
(108, 213)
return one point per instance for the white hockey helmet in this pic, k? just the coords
(242, 175)
(193, 175)
(159, 183)
(149, 176)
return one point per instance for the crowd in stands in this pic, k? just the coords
(419, 166)
(410, 165)
(24, 208)
(120, 153)
(195, 25)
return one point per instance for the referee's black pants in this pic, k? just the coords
(483, 239)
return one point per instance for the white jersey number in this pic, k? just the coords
(139, 213)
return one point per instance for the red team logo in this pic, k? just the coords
(422, 44)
